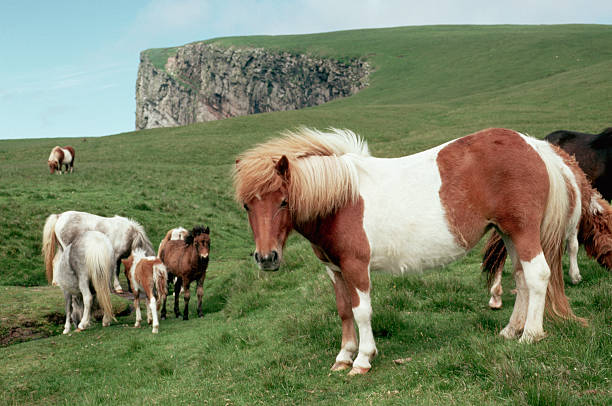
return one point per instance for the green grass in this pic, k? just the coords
(271, 338)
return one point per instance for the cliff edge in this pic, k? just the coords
(205, 81)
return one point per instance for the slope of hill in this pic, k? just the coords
(428, 85)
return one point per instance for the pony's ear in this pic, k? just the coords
(207, 230)
(237, 162)
(282, 167)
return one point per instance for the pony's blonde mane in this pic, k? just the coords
(322, 179)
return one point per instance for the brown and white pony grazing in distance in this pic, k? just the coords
(187, 260)
(147, 274)
(60, 157)
(362, 213)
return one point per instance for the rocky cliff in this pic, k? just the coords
(203, 82)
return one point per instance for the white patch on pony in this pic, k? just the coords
(417, 235)
(363, 316)
(67, 156)
(178, 233)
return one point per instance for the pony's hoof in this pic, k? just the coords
(136, 325)
(78, 330)
(509, 333)
(341, 366)
(495, 304)
(529, 338)
(358, 371)
(66, 331)
(577, 280)
(119, 291)
(155, 330)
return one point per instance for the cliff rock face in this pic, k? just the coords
(204, 82)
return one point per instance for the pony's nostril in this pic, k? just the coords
(274, 256)
(257, 257)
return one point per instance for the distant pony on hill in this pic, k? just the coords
(61, 157)
(593, 153)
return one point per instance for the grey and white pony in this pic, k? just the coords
(87, 261)
(62, 229)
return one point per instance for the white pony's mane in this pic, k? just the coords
(322, 179)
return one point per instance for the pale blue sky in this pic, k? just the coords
(68, 68)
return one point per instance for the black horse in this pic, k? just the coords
(593, 153)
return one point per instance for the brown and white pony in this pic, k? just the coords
(362, 213)
(60, 157)
(187, 260)
(147, 274)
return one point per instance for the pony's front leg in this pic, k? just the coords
(357, 277)
(177, 291)
(68, 303)
(186, 297)
(137, 307)
(344, 359)
(200, 293)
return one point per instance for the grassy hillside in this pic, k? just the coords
(272, 338)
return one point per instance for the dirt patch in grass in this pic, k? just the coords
(29, 330)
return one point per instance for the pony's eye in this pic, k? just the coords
(245, 207)
(284, 203)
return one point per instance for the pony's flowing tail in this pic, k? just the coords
(596, 230)
(49, 244)
(160, 278)
(99, 260)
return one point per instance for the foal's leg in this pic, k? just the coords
(572, 250)
(177, 291)
(344, 359)
(137, 307)
(200, 293)
(186, 296)
(68, 306)
(152, 310)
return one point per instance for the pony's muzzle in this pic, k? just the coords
(268, 262)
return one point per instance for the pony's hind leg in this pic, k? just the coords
(344, 359)
(517, 320)
(572, 249)
(68, 306)
(87, 302)
(153, 311)
(537, 274)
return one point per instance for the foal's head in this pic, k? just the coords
(270, 220)
(199, 238)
